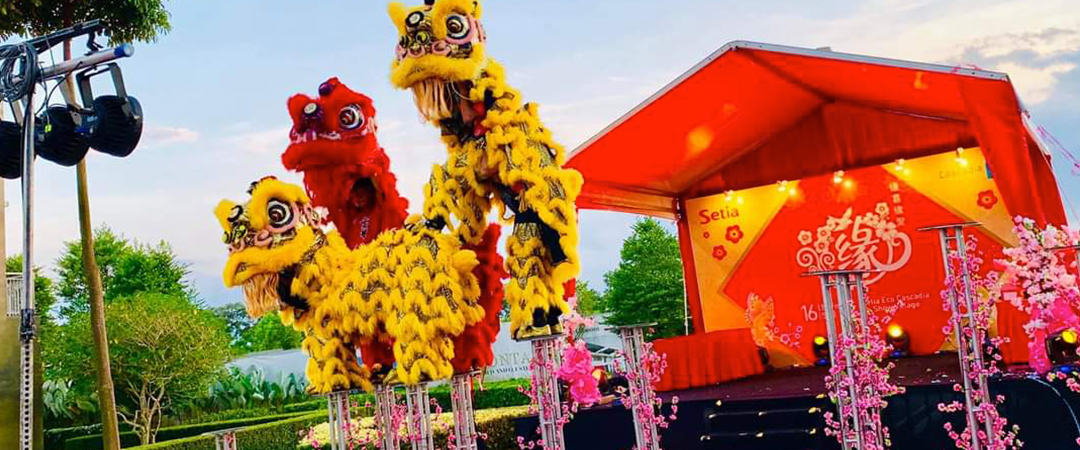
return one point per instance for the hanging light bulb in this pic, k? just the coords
(838, 177)
(729, 195)
(782, 186)
(900, 165)
(960, 156)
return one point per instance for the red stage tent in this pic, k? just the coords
(753, 114)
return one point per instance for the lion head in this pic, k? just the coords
(267, 236)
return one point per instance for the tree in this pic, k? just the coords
(165, 353)
(126, 268)
(270, 334)
(237, 320)
(44, 292)
(125, 20)
(647, 287)
(588, 300)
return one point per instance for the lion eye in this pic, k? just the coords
(351, 117)
(279, 212)
(414, 19)
(457, 27)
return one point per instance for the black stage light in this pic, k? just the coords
(821, 350)
(11, 152)
(898, 339)
(113, 122)
(59, 138)
(115, 125)
(1062, 347)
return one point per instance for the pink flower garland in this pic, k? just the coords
(984, 305)
(1048, 291)
(870, 378)
(650, 411)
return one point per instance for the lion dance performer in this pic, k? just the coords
(414, 284)
(499, 154)
(333, 143)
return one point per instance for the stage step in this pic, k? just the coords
(773, 424)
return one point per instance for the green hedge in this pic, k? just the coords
(131, 439)
(280, 435)
(55, 437)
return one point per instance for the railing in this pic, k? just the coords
(14, 294)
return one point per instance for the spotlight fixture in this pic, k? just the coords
(821, 351)
(115, 123)
(11, 154)
(898, 339)
(838, 177)
(58, 137)
(1062, 347)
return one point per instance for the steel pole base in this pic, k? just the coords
(545, 360)
(464, 415)
(337, 405)
(643, 396)
(385, 402)
(418, 417)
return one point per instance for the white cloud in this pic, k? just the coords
(1048, 43)
(266, 141)
(1035, 84)
(160, 136)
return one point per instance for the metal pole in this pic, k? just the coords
(418, 421)
(384, 416)
(464, 417)
(976, 338)
(968, 350)
(633, 338)
(545, 360)
(27, 330)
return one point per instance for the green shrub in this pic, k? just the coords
(130, 439)
(279, 435)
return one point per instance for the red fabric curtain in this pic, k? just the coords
(706, 359)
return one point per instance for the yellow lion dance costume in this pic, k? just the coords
(499, 155)
(414, 285)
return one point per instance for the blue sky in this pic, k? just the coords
(214, 92)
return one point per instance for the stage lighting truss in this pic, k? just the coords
(64, 133)
(61, 134)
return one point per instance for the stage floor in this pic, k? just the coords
(937, 369)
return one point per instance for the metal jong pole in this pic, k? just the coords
(419, 417)
(545, 359)
(843, 294)
(964, 348)
(384, 412)
(633, 338)
(464, 415)
(830, 330)
(860, 297)
(976, 338)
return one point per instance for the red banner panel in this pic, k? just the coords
(751, 248)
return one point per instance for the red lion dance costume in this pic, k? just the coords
(333, 144)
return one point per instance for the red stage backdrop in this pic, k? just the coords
(752, 247)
